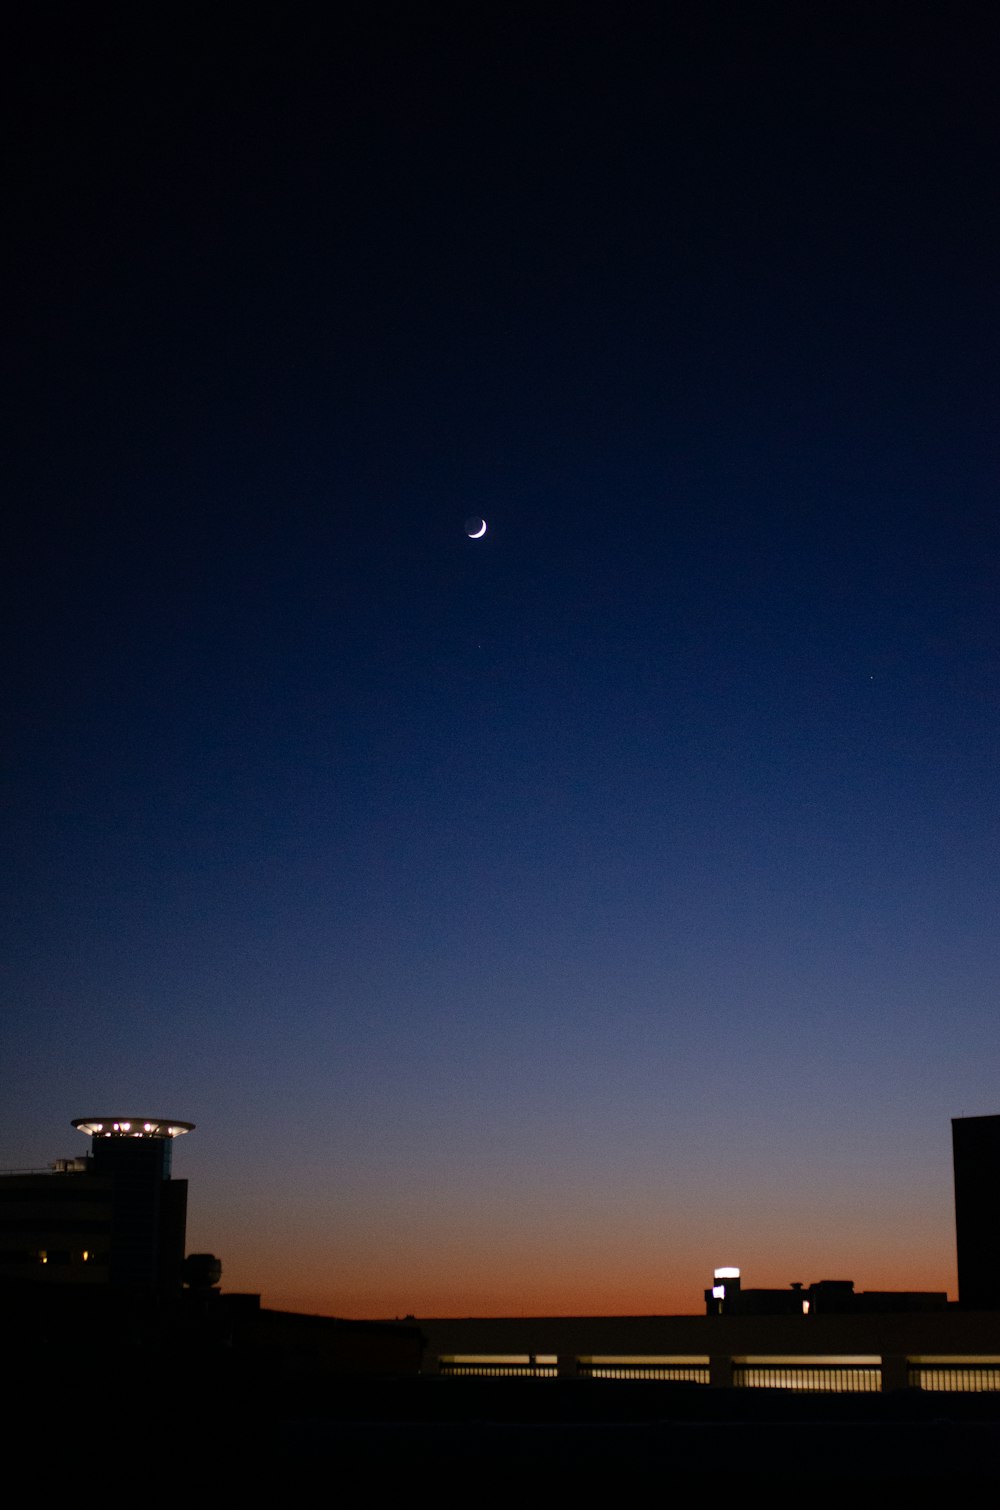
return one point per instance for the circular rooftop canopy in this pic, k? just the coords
(132, 1127)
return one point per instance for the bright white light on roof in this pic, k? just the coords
(727, 1273)
(153, 1127)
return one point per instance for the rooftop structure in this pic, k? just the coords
(826, 1297)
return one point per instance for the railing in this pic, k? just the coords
(678, 1371)
(826, 1375)
(952, 1378)
(824, 1379)
(473, 1368)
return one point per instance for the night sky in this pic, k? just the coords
(528, 924)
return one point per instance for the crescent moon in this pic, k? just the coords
(479, 533)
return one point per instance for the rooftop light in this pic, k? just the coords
(129, 1127)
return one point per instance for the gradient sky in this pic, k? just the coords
(528, 924)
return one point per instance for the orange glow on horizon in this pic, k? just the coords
(384, 1293)
(427, 1257)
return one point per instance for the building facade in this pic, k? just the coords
(113, 1218)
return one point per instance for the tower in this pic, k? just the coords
(114, 1219)
(975, 1145)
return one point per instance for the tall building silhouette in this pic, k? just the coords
(975, 1145)
(93, 1270)
(115, 1218)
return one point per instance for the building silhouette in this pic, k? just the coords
(93, 1268)
(92, 1259)
(112, 1218)
(975, 1145)
(826, 1297)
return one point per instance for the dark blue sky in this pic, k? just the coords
(529, 923)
